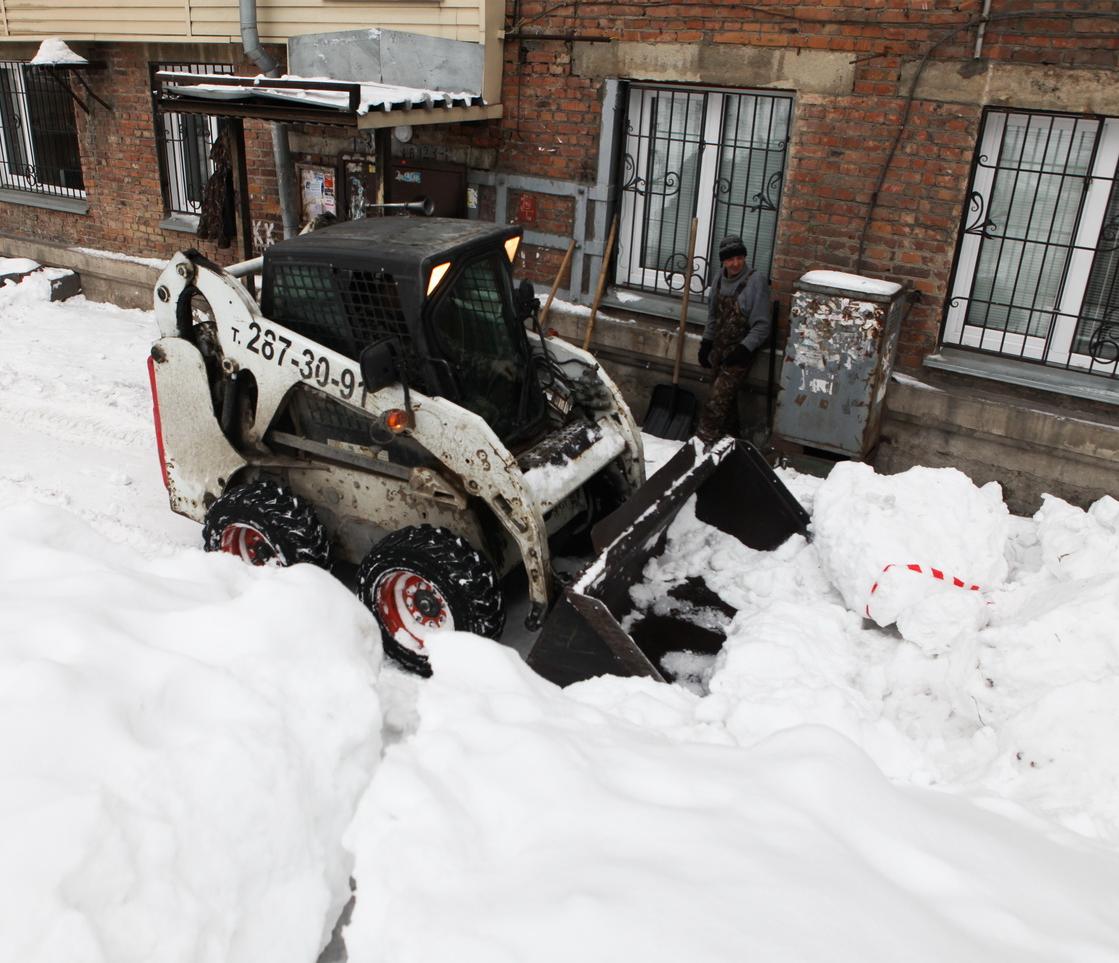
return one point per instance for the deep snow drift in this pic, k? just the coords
(185, 739)
(182, 743)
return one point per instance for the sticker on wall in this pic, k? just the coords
(316, 190)
(410, 177)
(472, 198)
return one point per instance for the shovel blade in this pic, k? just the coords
(671, 413)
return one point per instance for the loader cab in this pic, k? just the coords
(441, 288)
(475, 331)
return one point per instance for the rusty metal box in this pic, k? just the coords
(843, 335)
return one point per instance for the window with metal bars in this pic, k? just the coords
(1037, 266)
(39, 150)
(185, 141)
(716, 155)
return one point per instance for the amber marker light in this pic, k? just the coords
(437, 274)
(511, 245)
(396, 420)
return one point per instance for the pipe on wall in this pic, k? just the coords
(281, 148)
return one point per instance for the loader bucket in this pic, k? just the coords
(736, 492)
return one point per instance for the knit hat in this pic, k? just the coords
(731, 246)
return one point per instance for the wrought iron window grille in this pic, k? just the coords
(1037, 264)
(39, 151)
(184, 144)
(715, 154)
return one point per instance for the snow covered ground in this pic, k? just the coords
(196, 756)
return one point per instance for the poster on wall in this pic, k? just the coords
(316, 191)
(360, 185)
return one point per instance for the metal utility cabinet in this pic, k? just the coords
(843, 335)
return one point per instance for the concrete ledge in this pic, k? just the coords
(110, 279)
(1061, 381)
(1029, 452)
(69, 205)
(1021, 86)
(765, 68)
(639, 353)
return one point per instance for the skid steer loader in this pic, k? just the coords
(385, 406)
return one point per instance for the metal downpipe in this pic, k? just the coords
(281, 149)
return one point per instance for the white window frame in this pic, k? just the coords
(1056, 349)
(174, 157)
(634, 207)
(9, 179)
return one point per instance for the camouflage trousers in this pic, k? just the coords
(720, 414)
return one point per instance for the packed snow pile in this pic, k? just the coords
(916, 549)
(12, 267)
(185, 739)
(1007, 693)
(520, 823)
(182, 744)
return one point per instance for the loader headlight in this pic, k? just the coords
(511, 245)
(437, 274)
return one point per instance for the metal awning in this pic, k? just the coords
(312, 100)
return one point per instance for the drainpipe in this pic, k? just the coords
(281, 150)
(982, 29)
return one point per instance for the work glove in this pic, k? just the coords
(738, 357)
(705, 353)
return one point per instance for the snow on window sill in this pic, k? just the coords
(1075, 384)
(656, 305)
(186, 223)
(71, 205)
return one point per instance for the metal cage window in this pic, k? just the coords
(1037, 266)
(185, 141)
(39, 150)
(717, 155)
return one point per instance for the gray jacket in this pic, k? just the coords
(753, 302)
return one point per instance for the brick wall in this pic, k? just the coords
(120, 167)
(553, 116)
(839, 143)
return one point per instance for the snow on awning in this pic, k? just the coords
(53, 52)
(318, 100)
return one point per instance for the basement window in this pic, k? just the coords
(1037, 270)
(39, 152)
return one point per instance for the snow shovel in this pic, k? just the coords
(672, 408)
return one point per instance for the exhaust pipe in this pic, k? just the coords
(424, 206)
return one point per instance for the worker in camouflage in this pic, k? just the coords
(738, 323)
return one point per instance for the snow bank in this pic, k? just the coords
(182, 743)
(520, 824)
(909, 548)
(17, 265)
(1015, 707)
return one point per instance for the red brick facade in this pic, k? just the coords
(553, 115)
(120, 166)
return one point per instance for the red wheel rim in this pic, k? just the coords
(410, 608)
(248, 544)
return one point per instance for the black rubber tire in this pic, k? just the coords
(465, 579)
(291, 529)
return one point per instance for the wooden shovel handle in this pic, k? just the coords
(684, 303)
(601, 282)
(555, 284)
